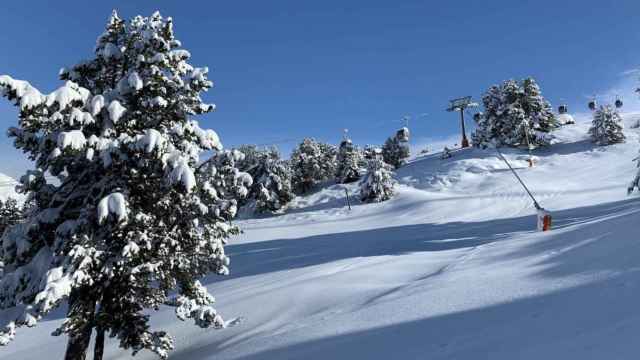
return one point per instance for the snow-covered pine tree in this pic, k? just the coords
(253, 157)
(395, 151)
(488, 124)
(514, 114)
(11, 213)
(378, 183)
(635, 184)
(606, 127)
(537, 110)
(512, 127)
(225, 183)
(255, 160)
(274, 189)
(370, 152)
(348, 159)
(127, 224)
(312, 162)
(329, 163)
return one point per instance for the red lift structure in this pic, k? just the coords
(461, 104)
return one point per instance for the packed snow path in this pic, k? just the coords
(451, 268)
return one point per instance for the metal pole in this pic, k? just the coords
(535, 203)
(526, 136)
(465, 142)
(348, 201)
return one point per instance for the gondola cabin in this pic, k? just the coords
(562, 109)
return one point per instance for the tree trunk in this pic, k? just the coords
(98, 349)
(77, 345)
(78, 342)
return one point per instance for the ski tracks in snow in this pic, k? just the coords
(419, 281)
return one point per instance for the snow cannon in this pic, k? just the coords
(544, 220)
(592, 105)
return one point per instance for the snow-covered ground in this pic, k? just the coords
(7, 187)
(450, 268)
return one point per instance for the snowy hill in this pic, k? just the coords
(450, 268)
(7, 187)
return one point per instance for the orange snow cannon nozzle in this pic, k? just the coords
(544, 220)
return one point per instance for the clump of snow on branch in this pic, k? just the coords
(135, 81)
(73, 139)
(151, 140)
(183, 174)
(97, 103)
(112, 205)
(116, 110)
(29, 97)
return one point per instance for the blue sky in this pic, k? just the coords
(289, 69)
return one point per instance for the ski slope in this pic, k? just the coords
(450, 268)
(7, 187)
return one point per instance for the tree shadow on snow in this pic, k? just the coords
(285, 254)
(592, 321)
(589, 240)
(576, 231)
(567, 148)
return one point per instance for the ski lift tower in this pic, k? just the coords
(461, 104)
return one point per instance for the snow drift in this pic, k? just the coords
(7, 187)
